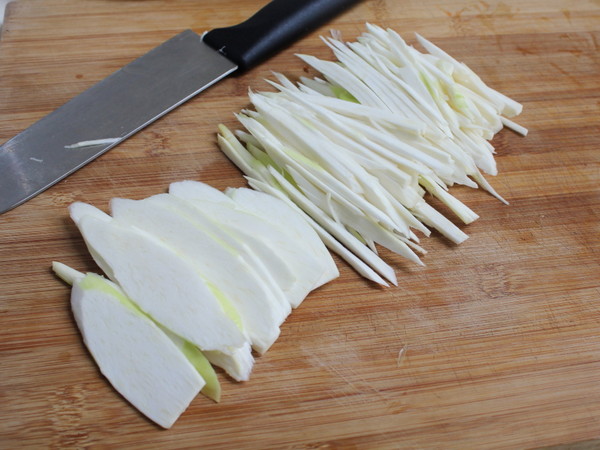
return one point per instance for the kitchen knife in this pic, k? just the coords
(144, 90)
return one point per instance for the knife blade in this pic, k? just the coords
(136, 95)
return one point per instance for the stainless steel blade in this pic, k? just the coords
(113, 109)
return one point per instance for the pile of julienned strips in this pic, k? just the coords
(356, 150)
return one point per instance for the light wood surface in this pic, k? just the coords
(494, 344)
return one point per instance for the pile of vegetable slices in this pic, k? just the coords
(198, 278)
(357, 150)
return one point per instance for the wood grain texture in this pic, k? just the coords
(494, 344)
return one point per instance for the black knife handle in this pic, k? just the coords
(272, 28)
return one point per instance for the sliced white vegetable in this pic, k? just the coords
(300, 136)
(267, 238)
(338, 231)
(270, 281)
(364, 225)
(240, 157)
(212, 388)
(249, 234)
(279, 213)
(510, 107)
(355, 149)
(201, 190)
(464, 213)
(163, 216)
(163, 285)
(93, 142)
(332, 243)
(272, 229)
(66, 273)
(338, 190)
(514, 126)
(434, 219)
(338, 75)
(140, 361)
(78, 210)
(237, 364)
(357, 110)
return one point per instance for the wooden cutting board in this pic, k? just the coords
(494, 344)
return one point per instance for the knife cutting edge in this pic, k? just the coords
(144, 90)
